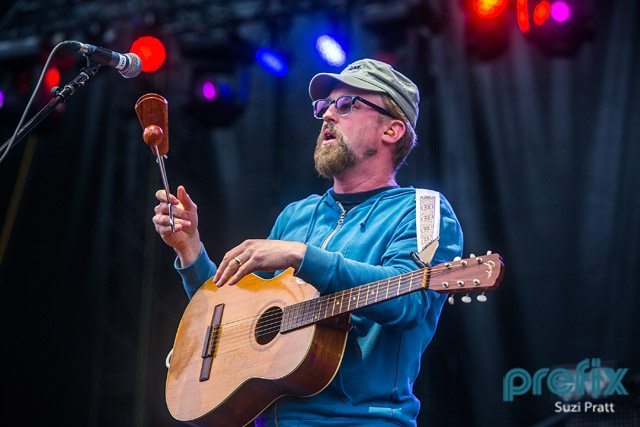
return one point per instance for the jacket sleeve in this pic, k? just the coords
(331, 271)
(194, 275)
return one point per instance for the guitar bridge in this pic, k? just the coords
(210, 342)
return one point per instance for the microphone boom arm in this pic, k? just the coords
(60, 96)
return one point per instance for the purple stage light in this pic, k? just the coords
(1, 99)
(560, 11)
(209, 91)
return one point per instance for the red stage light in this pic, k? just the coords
(487, 25)
(541, 13)
(489, 9)
(522, 11)
(52, 78)
(151, 52)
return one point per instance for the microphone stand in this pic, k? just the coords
(60, 96)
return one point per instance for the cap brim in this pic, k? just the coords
(322, 84)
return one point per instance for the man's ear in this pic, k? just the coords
(394, 130)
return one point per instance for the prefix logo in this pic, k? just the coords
(589, 376)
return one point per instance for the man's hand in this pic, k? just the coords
(258, 255)
(185, 240)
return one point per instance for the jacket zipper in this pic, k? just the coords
(335, 230)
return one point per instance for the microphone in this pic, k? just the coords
(128, 65)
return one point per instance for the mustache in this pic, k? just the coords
(328, 127)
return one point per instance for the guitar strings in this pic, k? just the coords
(401, 278)
(234, 336)
(333, 297)
(341, 294)
(410, 274)
(272, 323)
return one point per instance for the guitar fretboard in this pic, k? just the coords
(328, 306)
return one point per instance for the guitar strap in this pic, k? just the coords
(427, 223)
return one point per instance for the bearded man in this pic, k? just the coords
(361, 230)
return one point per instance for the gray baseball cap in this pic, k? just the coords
(375, 76)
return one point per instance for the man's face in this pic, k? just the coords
(346, 141)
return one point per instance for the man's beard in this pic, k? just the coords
(333, 159)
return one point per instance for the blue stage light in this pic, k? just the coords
(272, 62)
(331, 51)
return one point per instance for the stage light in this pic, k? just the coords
(489, 9)
(216, 81)
(560, 11)
(51, 78)
(216, 98)
(151, 51)
(209, 91)
(522, 14)
(331, 51)
(487, 25)
(559, 27)
(541, 13)
(1, 98)
(271, 61)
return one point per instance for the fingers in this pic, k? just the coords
(222, 274)
(163, 208)
(243, 270)
(186, 201)
(166, 232)
(163, 221)
(161, 195)
(232, 272)
(230, 266)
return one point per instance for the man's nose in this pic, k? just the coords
(331, 115)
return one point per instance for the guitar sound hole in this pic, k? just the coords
(268, 325)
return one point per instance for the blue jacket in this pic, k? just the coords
(374, 384)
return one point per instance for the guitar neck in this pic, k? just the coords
(327, 306)
(482, 273)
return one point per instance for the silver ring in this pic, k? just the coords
(238, 261)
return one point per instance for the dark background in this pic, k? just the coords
(538, 156)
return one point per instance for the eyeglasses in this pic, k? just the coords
(344, 105)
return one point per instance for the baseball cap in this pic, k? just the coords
(375, 76)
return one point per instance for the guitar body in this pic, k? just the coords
(239, 348)
(249, 370)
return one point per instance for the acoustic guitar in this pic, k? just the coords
(239, 348)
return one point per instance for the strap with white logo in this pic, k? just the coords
(427, 223)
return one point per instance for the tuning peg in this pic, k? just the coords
(472, 255)
(482, 297)
(457, 258)
(451, 299)
(466, 299)
(489, 252)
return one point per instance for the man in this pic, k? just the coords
(361, 230)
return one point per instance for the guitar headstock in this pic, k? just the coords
(473, 274)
